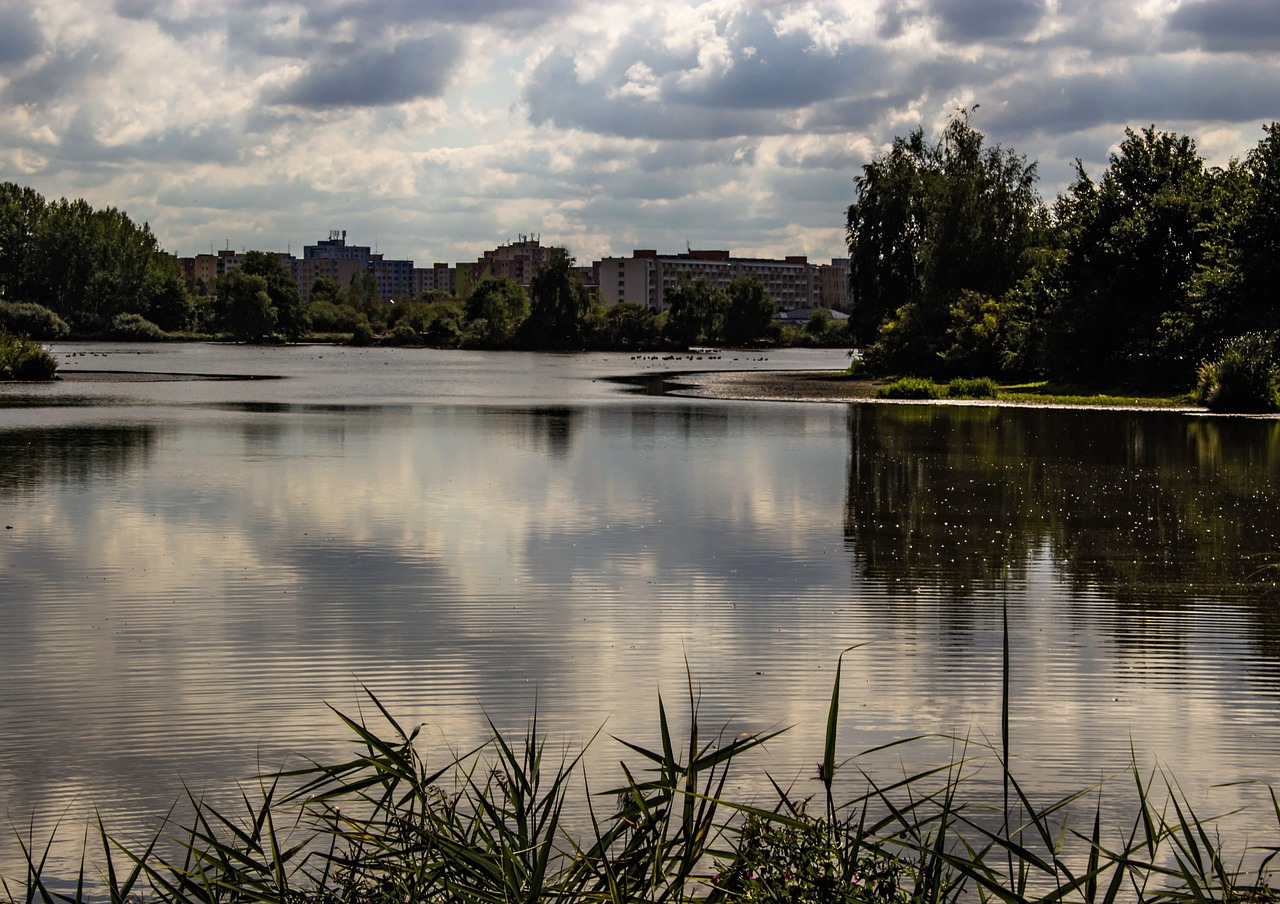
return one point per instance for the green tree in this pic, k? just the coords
(244, 307)
(886, 227)
(288, 311)
(496, 308)
(1259, 237)
(165, 299)
(558, 304)
(750, 311)
(929, 222)
(627, 325)
(21, 211)
(362, 295)
(696, 310)
(326, 288)
(1133, 242)
(442, 322)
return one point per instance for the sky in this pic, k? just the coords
(436, 129)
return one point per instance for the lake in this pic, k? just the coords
(194, 568)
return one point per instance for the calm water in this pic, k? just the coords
(194, 569)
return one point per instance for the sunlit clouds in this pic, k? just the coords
(436, 130)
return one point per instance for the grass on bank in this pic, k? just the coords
(1038, 392)
(489, 825)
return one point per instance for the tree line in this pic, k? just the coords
(68, 269)
(958, 268)
(557, 311)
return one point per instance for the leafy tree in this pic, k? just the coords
(886, 232)
(1133, 242)
(986, 335)
(362, 294)
(496, 308)
(86, 265)
(696, 311)
(244, 306)
(929, 222)
(750, 311)
(1259, 238)
(326, 288)
(288, 311)
(21, 210)
(627, 325)
(559, 301)
(329, 317)
(165, 300)
(442, 323)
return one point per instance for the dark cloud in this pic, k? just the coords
(161, 13)
(1151, 91)
(509, 14)
(371, 78)
(648, 89)
(60, 74)
(963, 21)
(20, 37)
(892, 18)
(1230, 24)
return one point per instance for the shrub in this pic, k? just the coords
(136, 328)
(910, 388)
(1245, 378)
(977, 388)
(362, 334)
(23, 359)
(31, 320)
(403, 334)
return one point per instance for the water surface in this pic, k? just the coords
(194, 569)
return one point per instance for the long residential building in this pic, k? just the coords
(646, 276)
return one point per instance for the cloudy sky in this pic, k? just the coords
(438, 128)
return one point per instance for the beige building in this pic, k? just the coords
(645, 277)
(833, 284)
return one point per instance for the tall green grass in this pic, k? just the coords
(490, 825)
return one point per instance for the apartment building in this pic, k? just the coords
(833, 284)
(437, 277)
(646, 276)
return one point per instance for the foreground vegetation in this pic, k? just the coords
(490, 825)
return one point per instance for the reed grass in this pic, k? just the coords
(489, 825)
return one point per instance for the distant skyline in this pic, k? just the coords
(436, 129)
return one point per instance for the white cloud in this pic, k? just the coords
(446, 128)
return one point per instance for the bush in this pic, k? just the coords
(31, 320)
(327, 317)
(362, 334)
(979, 388)
(910, 388)
(1245, 379)
(23, 359)
(136, 328)
(403, 334)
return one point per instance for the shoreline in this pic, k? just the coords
(828, 387)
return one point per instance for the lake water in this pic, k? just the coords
(192, 569)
